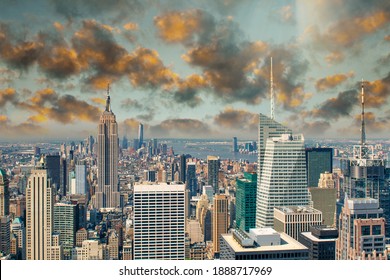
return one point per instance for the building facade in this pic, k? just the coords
(159, 221)
(220, 219)
(318, 160)
(212, 172)
(107, 195)
(321, 242)
(246, 189)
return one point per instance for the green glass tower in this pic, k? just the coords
(246, 189)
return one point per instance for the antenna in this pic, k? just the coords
(108, 106)
(272, 93)
(363, 128)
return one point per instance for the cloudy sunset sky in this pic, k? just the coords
(197, 69)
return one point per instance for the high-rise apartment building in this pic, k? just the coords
(361, 230)
(107, 195)
(39, 215)
(220, 220)
(246, 189)
(318, 160)
(283, 177)
(159, 221)
(212, 172)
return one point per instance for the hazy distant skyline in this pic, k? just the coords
(193, 69)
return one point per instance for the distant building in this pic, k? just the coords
(53, 169)
(191, 180)
(65, 221)
(261, 244)
(212, 172)
(246, 189)
(318, 160)
(235, 145)
(321, 242)
(140, 135)
(81, 235)
(296, 219)
(220, 219)
(182, 168)
(209, 192)
(4, 193)
(81, 179)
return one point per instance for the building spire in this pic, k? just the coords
(108, 105)
(363, 128)
(272, 93)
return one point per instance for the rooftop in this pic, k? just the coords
(297, 209)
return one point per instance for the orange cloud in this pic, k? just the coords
(335, 57)
(237, 119)
(332, 81)
(8, 95)
(177, 26)
(130, 26)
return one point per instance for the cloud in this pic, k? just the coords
(377, 92)
(332, 81)
(373, 123)
(315, 128)
(129, 126)
(237, 119)
(181, 128)
(129, 103)
(286, 13)
(337, 107)
(183, 26)
(49, 105)
(26, 129)
(335, 57)
(8, 95)
(387, 38)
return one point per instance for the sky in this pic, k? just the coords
(193, 69)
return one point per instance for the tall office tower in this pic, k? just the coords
(182, 168)
(39, 214)
(37, 151)
(235, 145)
(283, 177)
(203, 215)
(140, 135)
(65, 222)
(135, 144)
(125, 142)
(268, 128)
(155, 147)
(159, 221)
(192, 182)
(91, 142)
(5, 234)
(324, 198)
(63, 175)
(361, 230)
(246, 189)
(212, 172)
(364, 174)
(318, 160)
(108, 194)
(4, 193)
(113, 245)
(53, 169)
(17, 228)
(220, 220)
(81, 179)
(293, 220)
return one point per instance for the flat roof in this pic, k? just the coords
(297, 209)
(314, 238)
(288, 244)
(160, 187)
(263, 231)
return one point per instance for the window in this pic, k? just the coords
(365, 230)
(376, 230)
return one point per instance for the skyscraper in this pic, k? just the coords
(235, 145)
(81, 179)
(246, 201)
(283, 177)
(53, 169)
(140, 135)
(182, 166)
(39, 214)
(65, 222)
(159, 222)
(318, 160)
(220, 220)
(212, 172)
(192, 182)
(361, 230)
(108, 195)
(4, 193)
(125, 143)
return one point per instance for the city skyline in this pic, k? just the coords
(194, 69)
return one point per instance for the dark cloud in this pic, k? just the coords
(377, 92)
(129, 103)
(49, 105)
(237, 119)
(337, 107)
(14, 131)
(315, 128)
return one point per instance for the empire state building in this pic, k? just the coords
(107, 195)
